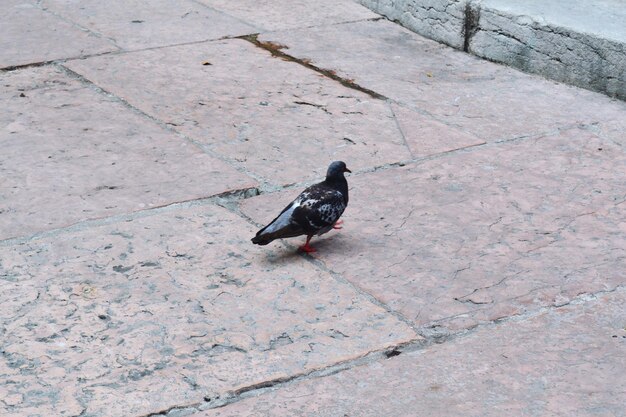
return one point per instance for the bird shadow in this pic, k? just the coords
(330, 244)
(283, 255)
(289, 252)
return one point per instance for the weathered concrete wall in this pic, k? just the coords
(579, 42)
(535, 39)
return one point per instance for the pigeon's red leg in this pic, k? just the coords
(338, 224)
(306, 248)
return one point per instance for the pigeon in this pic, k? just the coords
(314, 212)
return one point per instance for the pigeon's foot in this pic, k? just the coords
(338, 225)
(307, 248)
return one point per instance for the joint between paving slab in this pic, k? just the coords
(232, 204)
(371, 298)
(76, 25)
(228, 200)
(492, 142)
(231, 198)
(61, 61)
(263, 183)
(579, 299)
(274, 384)
(322, 25)
(25, 66)
(345, 22)
(277, 51)
(438, 334)
(217, 11)
(263, 387)
(593, 128)
(239, 194)
(397, 122)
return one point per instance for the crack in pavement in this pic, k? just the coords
(276, 50)
(461, 298)
(168, 126)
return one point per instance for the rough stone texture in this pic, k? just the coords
(70, 154)
(565, 362)
(488, 100)
(29, 35)
(579, 42)
(140, 316)
(485, 234)
(441, 20)
(288, 14)
(139, 24)
(259, 111)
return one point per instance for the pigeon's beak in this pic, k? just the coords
(347, 170)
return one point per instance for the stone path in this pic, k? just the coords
(480, 270)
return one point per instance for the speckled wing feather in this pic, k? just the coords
(320, 207)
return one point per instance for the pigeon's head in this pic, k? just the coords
(336, 169)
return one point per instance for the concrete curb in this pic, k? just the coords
(576, 42)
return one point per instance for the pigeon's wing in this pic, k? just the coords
(319, 210)
(282, 226)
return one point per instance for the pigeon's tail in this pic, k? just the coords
(273, 231)
(261, 240)
(264, 237)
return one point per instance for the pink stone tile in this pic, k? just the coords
(426, 136)
(472, 237)
(139, 316)
(30, 35)
(491, 101)
(71, 154)
(288, 14)
(141, 24)
(276, 119)
(565, 362)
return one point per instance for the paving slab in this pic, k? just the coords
(30, 35)
(287, 14)
(70, 153)
(491, 101)
(476, 236)
(277, 119)
(168, 310)
(139, 24)
(564, 362)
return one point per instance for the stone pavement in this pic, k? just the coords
(480, 270)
